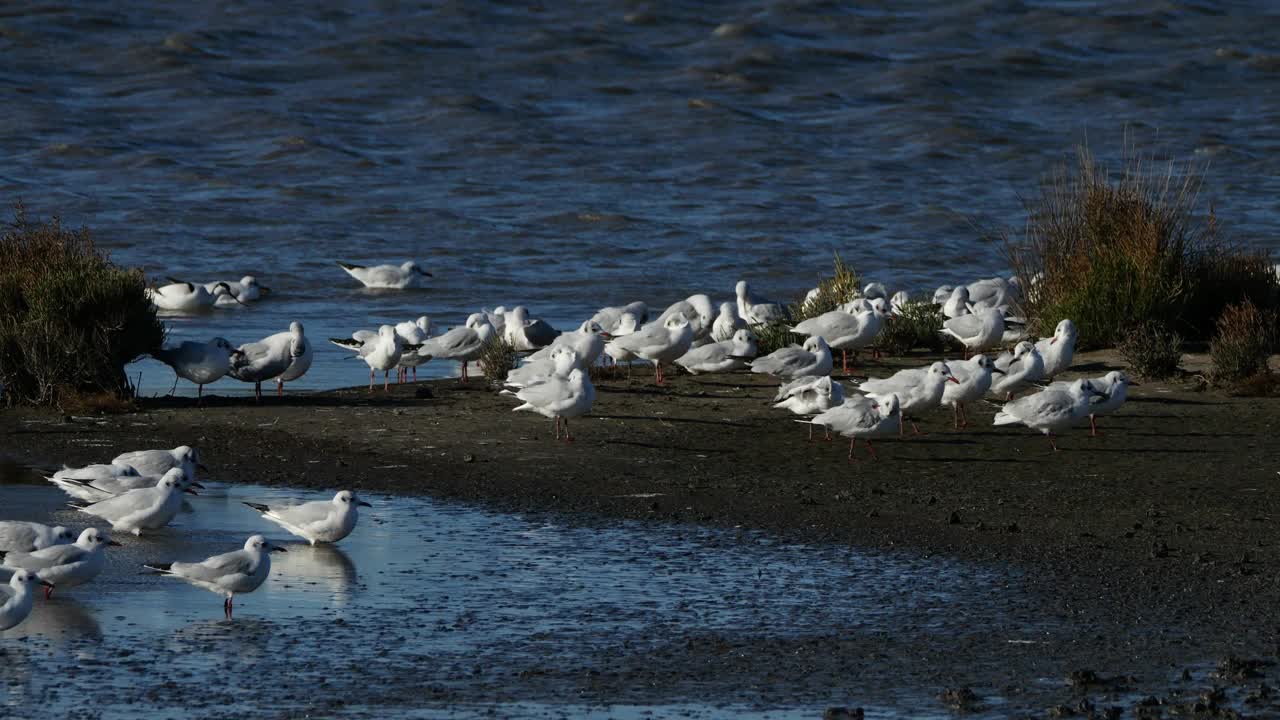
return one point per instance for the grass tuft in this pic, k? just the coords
(1240, 348)
(70, 319)
(498, 358)
(1152, 350)
(916, 326)
(834, 291)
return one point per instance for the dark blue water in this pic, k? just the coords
(568, 155)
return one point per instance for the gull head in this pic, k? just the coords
(888, 405)
(879, 306)
(248, 281)
(94, 539)
(221, 289)
(127, 471)
(941, 294)
(743, 336)
(1022, 349)
(961, 294)
(874, 291)
(702, 306)
(677, 321)
(224, 344)
(387, 332)
(814, 343)
(63, 535)
(741, 288)
(185, 454)
(576, 376)
(940, 369)
(627, 323)
(348, 499)
(729, 311)
(424, 324)
(259, 544)
(295, 328)
(411, 266)
(26, 579)
(1066, 330)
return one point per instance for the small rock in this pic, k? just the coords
(423, 393)
(953, 518)
(1012, 528)
(468, 458)
(961, 698)
(1083, 678)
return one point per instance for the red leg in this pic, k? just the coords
(386, 386)
(844, 360)
(871, 450)
(279, 389)
(915, 429)
(415, 373)
(48, 592)
(370, 379)
(1051, 442)
(964, 416)
(568, 436)
(852, 440)
(1093, 426)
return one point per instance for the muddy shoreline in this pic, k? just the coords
(1157, 541)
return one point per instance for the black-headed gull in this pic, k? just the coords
(862, 417)
(559, 398)
(587, 341)
(659, 342)
(230, 574)
(18, 536)
(726, 323)
(1021, 368)
(243, 291)
(1049, 410)
(845, 331)
(319, 521)
(973, 380)
(380, 352)
(757, 311)
(301, 353)
(559, 361)
(611, 318)
(415, 333)
(19, 597)
(957, 304)
(463, 344)
(386, 277)
(723, 356)
(788, 363)
(899, 302)
(989, 293)
(1113, 389)
(977, 331)
(143, 509)
(272, 357)
(187, 297)
(64, 566)
(810, 396)
(199, 362)
(525, 333)
(159, 462)
(96, 472)
(102, 488)
(1057, 351)
(698, 310)
(941, 295)
(917, 389)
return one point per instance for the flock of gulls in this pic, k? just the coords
(140, 492)
(553, 378)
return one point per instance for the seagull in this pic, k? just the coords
(381, 352)
(301, 353)
(524, 334)
(245, 291)
(610, 318)
(989, 293)
(390, 277)
(727, 323)
(559, 362)
(941, 295)
(810, 396)
(559, 398)
(238, 572)
(273, 357)
(958, 304)
(412, 333)
(587, 341)
(973, 380)
(19, 597)
(320, 521)
(1049, 410)
(159, 462)
(1022, 367)
(757, 311)
(95, 472)
(144, 509)
(664, 341)
(201, 363)
(977, 331)
(845, 331)
(64, 565)
(789, 363)
(899, 302)
(17, 536)
(97, 490)
(917, 389)
(1058, 350)
(187, 297)
(463, 344)
(698, 310)
(861, 417)
(874, 290)
(724, 356)
(1114, 390)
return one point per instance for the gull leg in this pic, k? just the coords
(370, 379)
(48, 592)
(901, 426)
(964, 415)
(1051, 442)
(871, 450)
(915, 429)
(844, 360)
(386, 387)
(568, 436)
(852, 440)
(174, 389)
(279, 387)
(415, 373)
(1093, 426)
(810, 432)
(199, 394)
(257, 392)
(955, 412)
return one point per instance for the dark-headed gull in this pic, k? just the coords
(230, 574)
(659, 342)
(64, 565)
(301, 353)
(159, 462)
(19, 597)
(973, 380)
(18, 536)
(723, 356)
(918, 389)
(187, 297)
(199, 362)
(388, 277)
(1113, 389)
(142, 509)
(1058, 350)
(758, 311)
(320, 521)
(559, 398)
(1049, 410)
(977, 331)
(559, 361)
(1021, 368)
(96, 472)
(862, 417)
(789, 363)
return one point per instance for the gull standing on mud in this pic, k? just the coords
(559, 362)
(559, 397)
(977, 331)
(319, 521)
(611, 318)
(862, 417)
(1049, 410)
(525, 334)
(159, 462)
(973, 380)
(19, 597)
(660, 342)
(301, 353)
(810, 396)
(1021, 368)
(386, 277)
(143, 509)
(273, 357)
(237, 572)
(845, 331)
(463, 344)
(723, 356)
(789, 363)
(18, 536)
(1113, 389)
(65, 566)
(757, 311)
(587, 341)
(187, 297)
(1057, 351)
(201, 363)
(917, 389)
(412, 334)
(380, 352)
(698, 310)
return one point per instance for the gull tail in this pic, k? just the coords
(1004, 418)
(260, 508)
(159, 568)
(347, 343)
(349, 266)
(78, 505)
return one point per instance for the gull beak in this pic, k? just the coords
(997, 371)
(276, 548)
(47, 584)
(1053, 339)
(424, 272)
(953, 379)
(189, 491)
(195, 485)
(606, 335)
(362, 503)
(113, 543)
(264, 290)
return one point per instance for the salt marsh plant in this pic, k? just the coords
(915, 325)
(1152, 350)
(1244, 339)
(497, 359)
(70, 319)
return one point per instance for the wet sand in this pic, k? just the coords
(1154, 544)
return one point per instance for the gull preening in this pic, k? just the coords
(19, 597)
(18, 536)
(559, 361)
(587, 341)
(566, 393)
(726, 323)
(1050, 410)
(245, 290)
(283, 356)
(977, 331)
(614, 319)
(524, 333)
(188, 297)
(380, 350)
(1058, 350)
(845, 331)
(862, 417)
(96, 472)
(723, 356)
(143, 509)
(96, 490)
(386, 277)
(698, 310)
(463, 344)
(973, 380)
(788, 363)
(810, 396)
(158, 462)
(64, 566)
(320, 521)
(1113, 390)
(413, 334)
(1021, 369)
(758, 311)
(229, 574)
(200, 362)
(664, 341)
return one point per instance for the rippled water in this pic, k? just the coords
(568, 155)
(462, 611)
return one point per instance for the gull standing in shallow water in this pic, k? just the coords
(387, 277)
(238, 572)
(18, 536)
(19, 597)
(201, 363)
(64, 565)
(144, 509)
(159, 462)
(1049, 410)
(463, 344)
(320, 521)
(862, 417)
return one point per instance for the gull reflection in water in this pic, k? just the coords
(60, 618)
(325, 565)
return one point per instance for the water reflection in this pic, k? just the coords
(326, 565)
(61, 619)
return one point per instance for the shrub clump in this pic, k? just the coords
(1152, 350)
(1240, 348)
(1110, 251)
(498, 358)
(916, 325)
(832, 292)
(70, 319)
